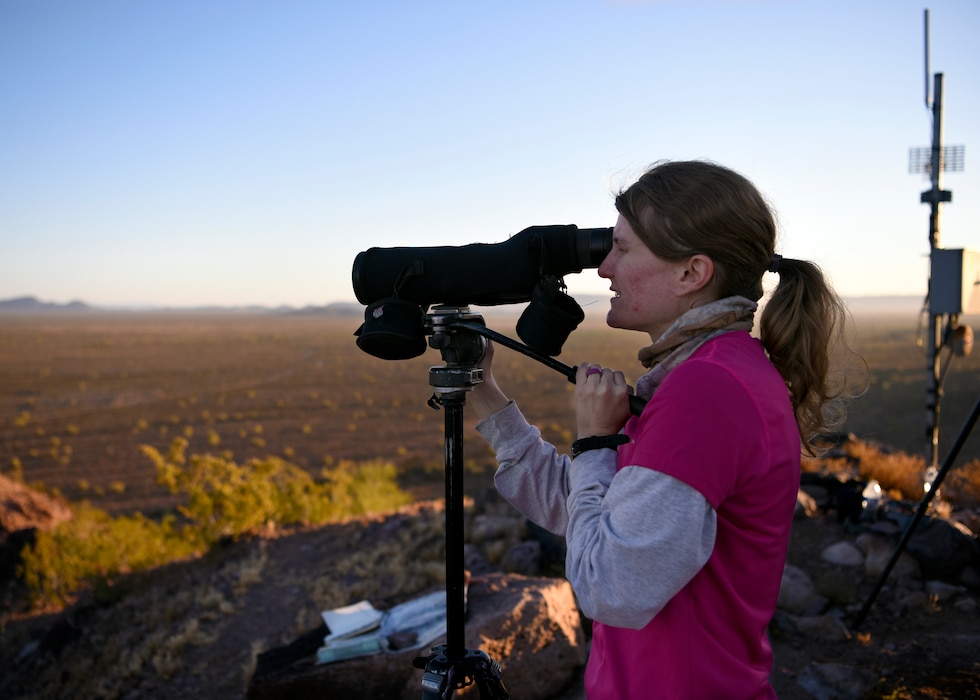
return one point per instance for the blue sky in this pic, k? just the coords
(214, 152)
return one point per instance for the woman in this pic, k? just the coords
(677, 521)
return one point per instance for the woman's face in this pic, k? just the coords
(648, 295)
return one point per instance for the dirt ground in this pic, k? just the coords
(195, 629)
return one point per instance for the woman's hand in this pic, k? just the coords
(601, 400)
(486, 397)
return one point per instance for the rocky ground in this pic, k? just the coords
(195, 629)
(918, 638)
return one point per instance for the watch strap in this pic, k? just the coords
(597, 442)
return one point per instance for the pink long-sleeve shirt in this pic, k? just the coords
(676, 544)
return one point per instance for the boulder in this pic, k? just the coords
(843, 554)
(835, 681)
(826, 628)
(943, 548)
(530, 626)
(23, 508)
(523, 558)
(797, 594)
(24, 511)
(878, 554)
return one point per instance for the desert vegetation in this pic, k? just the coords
(220, 500)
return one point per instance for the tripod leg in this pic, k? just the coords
(455, 567)
(443, 675)
(437, 676)
(488, 677)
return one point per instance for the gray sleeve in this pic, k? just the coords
(635, 538)
(531, 475)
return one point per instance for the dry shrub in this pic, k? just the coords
(962, 485)
(895, 471)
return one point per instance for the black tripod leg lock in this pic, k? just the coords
(443, 676)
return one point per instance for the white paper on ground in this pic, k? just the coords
(351, 620)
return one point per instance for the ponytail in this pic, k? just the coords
(801, 327)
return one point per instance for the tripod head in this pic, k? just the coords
(462, 348)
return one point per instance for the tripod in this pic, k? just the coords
(451, 666)
(462, 338)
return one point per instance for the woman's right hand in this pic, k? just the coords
(601, 400)
(487, 398)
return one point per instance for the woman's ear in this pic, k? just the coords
(698, 273)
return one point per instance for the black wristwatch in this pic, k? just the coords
(597, 442)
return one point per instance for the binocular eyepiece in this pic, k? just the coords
(399, 284)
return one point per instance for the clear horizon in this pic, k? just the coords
(584, 299)
(216, 153)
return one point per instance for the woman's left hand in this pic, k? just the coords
(601, 400)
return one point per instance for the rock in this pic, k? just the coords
(878, 552)
(24, 511)
(495, 527)
(943, 548)
(838, 585)
(966, 605)
(553, 548)
(475, 560)
(23, 508)
(530, 626)
(970, 577)
(523, 558)
(843, 554)
(836, 681)
(826, 628)
(912, 600)
(797, 594)
(885, 527)
(942, 591)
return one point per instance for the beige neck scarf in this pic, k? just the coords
(691, 330)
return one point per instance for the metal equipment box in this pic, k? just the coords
(955, 281)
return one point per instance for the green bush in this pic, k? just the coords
(93, 547)
(222, 499)
(225, 499)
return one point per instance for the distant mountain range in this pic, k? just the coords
(32, 305)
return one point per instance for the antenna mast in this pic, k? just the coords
(926, 22)
(934, 161)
